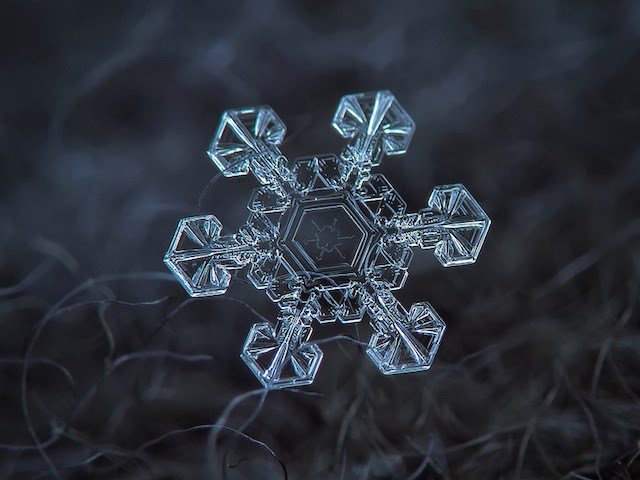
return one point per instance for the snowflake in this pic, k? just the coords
(327, 240)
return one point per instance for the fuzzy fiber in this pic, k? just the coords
(109, 371)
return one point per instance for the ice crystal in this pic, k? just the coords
(327, 239)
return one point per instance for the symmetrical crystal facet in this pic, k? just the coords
(327, 240)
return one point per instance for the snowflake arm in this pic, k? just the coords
(281, 356)
(403, 341)
(247, 140)
(376, 125)
(201, 258)
(453, 224)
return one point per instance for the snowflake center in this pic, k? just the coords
(328, 239)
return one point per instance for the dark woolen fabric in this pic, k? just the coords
(106, 110)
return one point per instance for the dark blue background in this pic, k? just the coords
(106, 111)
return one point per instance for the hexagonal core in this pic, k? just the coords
(328, 237)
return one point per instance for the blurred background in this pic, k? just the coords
(106, 112)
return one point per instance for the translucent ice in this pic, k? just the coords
(327, 239)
